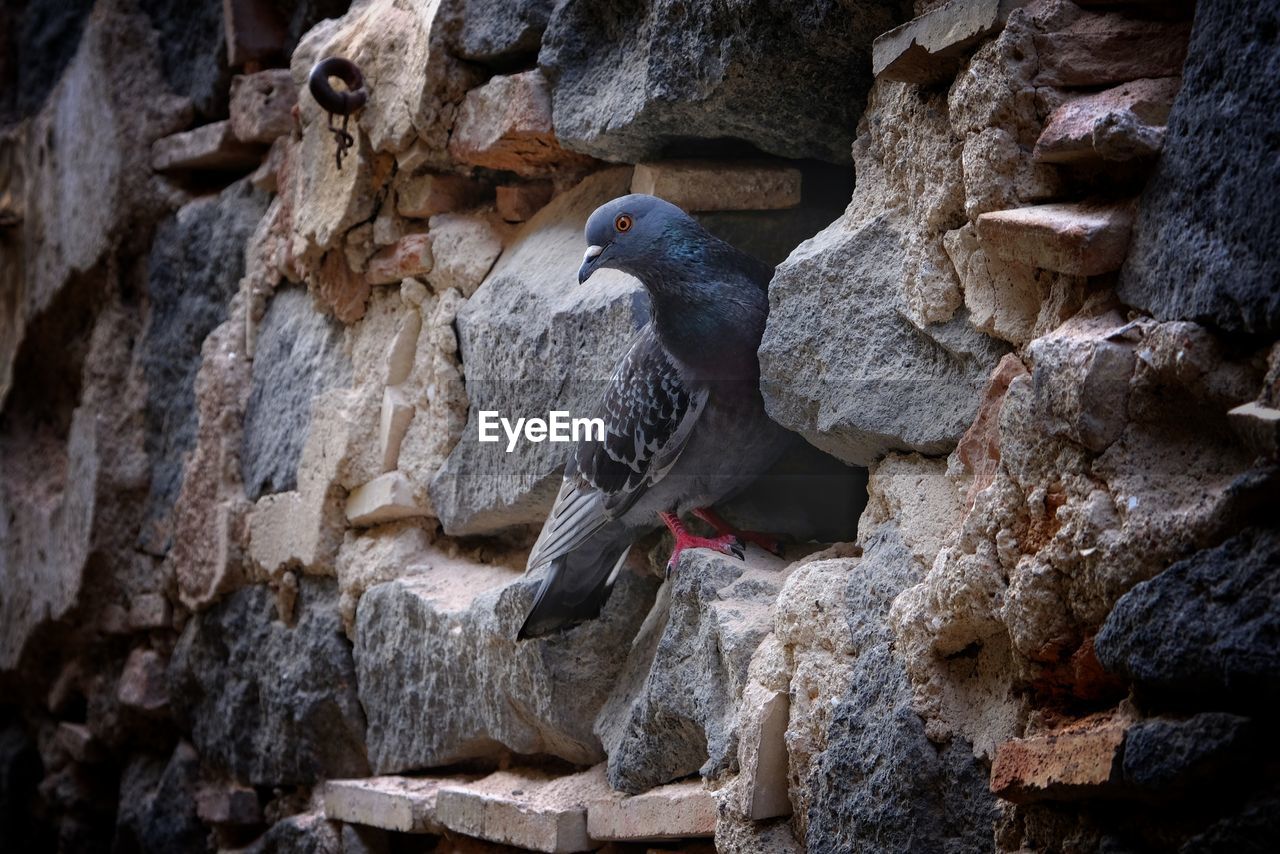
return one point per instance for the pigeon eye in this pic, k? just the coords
(622, 223)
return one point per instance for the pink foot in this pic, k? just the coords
(727, 544)
(768, 542)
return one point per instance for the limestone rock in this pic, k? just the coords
(532, 342)
(372, 557)
(424, 195)
(211, 147)
(465, 247)
(702, 185)
(674, 710)
(1090, 127)
(411, 256)
(674, 811)
(1202, 241)
(401, 804)
(262, 105)
(443, 680)
(1077, 239)
(525, 808)
(932, 46)
(386, 498)
(1101, 48)
(305, 722)
(837, 301)
(1172, 641)
(764, 79)
(298, 355)
(506, 124)
(519, 202)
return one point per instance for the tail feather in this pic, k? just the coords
(575, 587)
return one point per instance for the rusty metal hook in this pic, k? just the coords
(338, 103)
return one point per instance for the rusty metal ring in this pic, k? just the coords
(342, 103)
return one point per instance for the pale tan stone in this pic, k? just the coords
(149, 611)
(397, 413)
(914, 492)
(403, 347)
(932, 46)
(262, 105)
(1259, 426)
(211, 146)
(674, 811)
(144, 686)
(386, 498)
(411, 255)
(369, 557)
(1079, 239)
(708, 185)
(525, 808)
(291, 529)
(401, 804)
(465, 246)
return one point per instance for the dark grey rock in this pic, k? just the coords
(1253, 828)
(20, 774)
(1205, 633)
(158, 805)
(633, 80)
(193, 51)
(499, 32)
(39, 39)
(196, 263)
(674, 710)
(1203, 247)
(443, 679)
(271, 704)
(304, 833)
(881, 785)
(298, 355)
(883, 383)
(1164, 754)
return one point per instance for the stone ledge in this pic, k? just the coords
(674, 811)
(210, 147)
(719, 185)
(932, 46)
(402, 804)
(1083, 239)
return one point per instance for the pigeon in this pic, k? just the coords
(685, 425)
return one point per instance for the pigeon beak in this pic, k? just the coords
(588, 261)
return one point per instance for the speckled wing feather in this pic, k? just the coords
(649, 414)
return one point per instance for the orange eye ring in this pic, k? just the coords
(623, 223)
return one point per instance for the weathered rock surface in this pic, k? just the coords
(194, 270)
(1173, 640)
(1203, 750)
(866, 399)
(862, 800)
(212, 147)
(931, 47)
(531, 341)
(1202, 245)
(790, 82)
(674, 811)
(443, 680)
(674, 709)
(262, 105)
(269, 703)
(298, 355)
(158, 804)
(709, 185)
(1121, 123)
(499, 32)
(1076, 239)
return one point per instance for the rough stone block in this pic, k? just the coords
(397, 414)
(295, 529)
(506, 124)
(443, 679)
(1079, 239)
(425, 195)
(1120, 123)
(673, 811)
(228, 804)
(1258, 426)
(465, 247)
(702, 185)
(528, 809)
(1101, 49)
(143, 686)
(931, 47)
(209, 147)
(262, 105)
(762, 757)
(519, 202)
(410, 256)
(1081, 760)
(401, 804)
(403, 348)
(386, 498)
(305, 722)
(150, 611)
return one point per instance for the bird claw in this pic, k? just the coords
(728, 545)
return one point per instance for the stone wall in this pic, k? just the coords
(260, 583)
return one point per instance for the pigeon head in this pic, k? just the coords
(635, 232)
